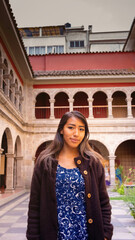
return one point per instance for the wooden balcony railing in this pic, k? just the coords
(118, 111)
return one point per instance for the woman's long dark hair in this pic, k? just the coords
(53, 150)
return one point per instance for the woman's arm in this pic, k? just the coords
(33, 227)
(105, 205)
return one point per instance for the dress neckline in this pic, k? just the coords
(67, 169)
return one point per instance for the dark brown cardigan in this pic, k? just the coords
(42, 214)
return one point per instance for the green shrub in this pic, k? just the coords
(130, 199)
(120, 189)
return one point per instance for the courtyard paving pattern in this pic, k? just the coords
(13, 219)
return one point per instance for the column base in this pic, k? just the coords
(91, 117)
(12, 190)
(52, 118)
(19, 187)
(130, 116)
(110, 117)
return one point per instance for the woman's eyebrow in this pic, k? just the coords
(75, 125)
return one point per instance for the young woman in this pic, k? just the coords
(68, 199)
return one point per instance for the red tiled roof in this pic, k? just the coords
(85, 72)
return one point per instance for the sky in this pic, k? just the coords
(103, 15)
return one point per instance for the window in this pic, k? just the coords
(81, 43)
(61, 49)
(76, 44)
(39, 50)
(55, 49)
(49, 49)
(31, 50)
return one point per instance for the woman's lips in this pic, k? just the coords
(74, 140)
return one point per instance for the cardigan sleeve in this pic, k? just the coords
(33, 226)
(105, 204)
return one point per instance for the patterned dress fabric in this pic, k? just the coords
(71, 207)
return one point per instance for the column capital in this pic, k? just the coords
(10, 155)
(6, 76)
(128, 99)
(90, 99)
(109, 99)
(52, 100)
(70, 100)
(21, 98)
(1, 150)
(19, 158)
(33, 159)
(112, 157)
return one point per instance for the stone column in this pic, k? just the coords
(6, 79)
(20, 103)
(112, 169)
(13, 92)
(52, 101)
(17, 94)
(19, 172)
(71, 101)
(110, 107)
(9, 172)
(1, 79)
(129, 108)
(90, 101)
(1, 151)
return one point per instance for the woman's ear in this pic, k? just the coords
(61, 132)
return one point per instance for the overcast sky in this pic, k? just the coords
(103, 15)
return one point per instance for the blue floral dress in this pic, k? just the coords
(71, 207)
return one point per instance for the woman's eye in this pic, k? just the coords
(81, 129)
(70, 127)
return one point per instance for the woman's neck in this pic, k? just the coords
(66, 157)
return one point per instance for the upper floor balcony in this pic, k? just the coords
(119, 105)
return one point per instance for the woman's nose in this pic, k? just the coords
(76, 132)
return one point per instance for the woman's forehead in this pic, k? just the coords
(75, 121)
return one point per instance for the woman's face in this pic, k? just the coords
(73, 132)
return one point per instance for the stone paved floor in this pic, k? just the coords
(13, 220)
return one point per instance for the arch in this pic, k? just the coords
(11, 85)
(103, 151)
(133, 103)
(7, 146)
(5, 65)
(17, 176)
(41, 147)
(20, 91)
(59, 91)
(5, 73)
(8, 134)
(119, 105)
(81, 103)
(16, 85)
(16, 91)
(42, 106)
(100, 105)
(4, 146)
(61, 104)
(124, 90)
(11, 74)
(38, 91)
(125, 155)
(17, 149)
(100, 148)
(20, 99)
(100, 90)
